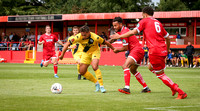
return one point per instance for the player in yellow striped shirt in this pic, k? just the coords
(91, 53)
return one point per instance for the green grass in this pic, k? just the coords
(26, 87)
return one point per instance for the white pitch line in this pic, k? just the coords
(171, 108)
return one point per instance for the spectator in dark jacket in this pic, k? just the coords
(190, 52)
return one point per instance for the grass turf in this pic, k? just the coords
(26, 87)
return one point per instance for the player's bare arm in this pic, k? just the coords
(128, 34)
(40, 43)
(64, 50)
(167, 39)
(111, 40)
(122, 49)
(60, 42)
(109, 45)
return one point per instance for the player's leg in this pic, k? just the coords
(55, 66)
(157, 66)
(95, 66)
(84, 64)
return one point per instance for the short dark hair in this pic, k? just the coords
(75, 27)
(47, 26)
(118, 19)
(84, 28)
(148, 10)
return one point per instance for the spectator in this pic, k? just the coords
(190, 52)
(29, 45)
(32, 37)
(10, 36)
(178, 36)
(39, 35)
(174, 58)
(196, 60)
(178, 57)
(146, 50)
(184, 59)
(24, 36)
(15, 38)
(4, 36)
(104, 47)
(169, 59)
(4, 44)
(28, 35)
(22, 45)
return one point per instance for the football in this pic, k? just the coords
(56, 88)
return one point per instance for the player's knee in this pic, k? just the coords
(134, 72)
(124, 66)
(82, 72)
(95, 68)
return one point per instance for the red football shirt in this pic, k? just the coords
(131, 41)
(154, 34)
(49, 43)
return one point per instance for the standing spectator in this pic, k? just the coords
(190, 52)
(146, 50)
(4, 36)
(178, 36)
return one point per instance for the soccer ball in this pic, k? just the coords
(56, 88)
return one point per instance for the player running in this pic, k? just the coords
(48, 40)
(77, 50)
(134, 59)
(91, 53)
(156, 36)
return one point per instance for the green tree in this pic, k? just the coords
(171, 5)
(192, 4)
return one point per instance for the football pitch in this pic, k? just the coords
(26, 87)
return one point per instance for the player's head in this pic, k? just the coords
(189, 43)
(117, 23)
(48, 29)
(147, 11)
(85, 31)
(75, 30)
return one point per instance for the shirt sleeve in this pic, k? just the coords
(100, 40)
(73, 40)
(140, 26)
(41, 38)
(55, 38)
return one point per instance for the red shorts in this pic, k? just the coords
(157, 62)
(47, 57)
(137, 55)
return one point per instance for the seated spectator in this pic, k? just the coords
(178, 57)
(4, 36)
(10, 36)
(184, 59)
(4, 44)
(169, 59)
(24, 36)
(196, 60)
(30, 45)
(174, 58)
(39, 35)
(22, 45)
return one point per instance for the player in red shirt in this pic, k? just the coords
(48, 40)
(155, 36)
(134, 59)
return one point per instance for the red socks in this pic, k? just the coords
(140, 79)
(127, 76)
(55, 67)
(167, 81)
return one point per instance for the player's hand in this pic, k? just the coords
(74, 47)
(115, 50)
(43, 42)
(115, 36)
(61, 57)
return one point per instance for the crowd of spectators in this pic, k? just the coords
(13, 41)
